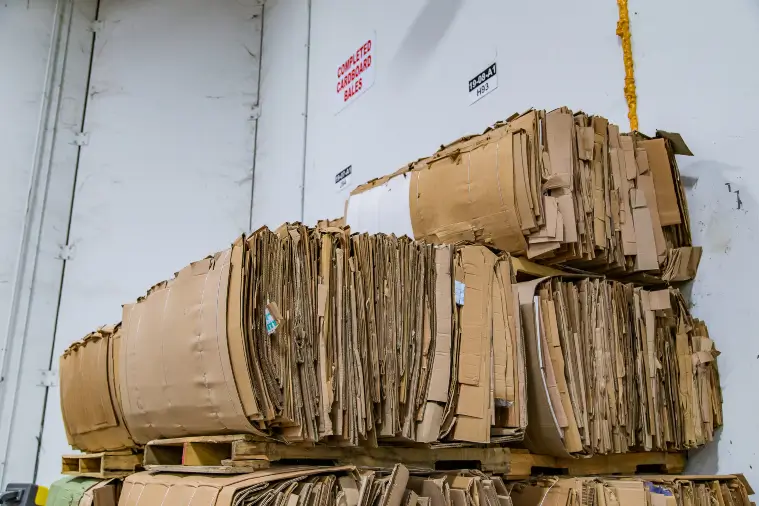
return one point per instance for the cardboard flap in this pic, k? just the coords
(466, 207)
(678, 144)
(543, 434)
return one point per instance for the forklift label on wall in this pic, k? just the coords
(483, 83)
(355, 74)
(343, 178)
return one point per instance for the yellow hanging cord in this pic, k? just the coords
(623, 31)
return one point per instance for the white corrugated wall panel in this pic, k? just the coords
(280, 137)
(695, 71)
(548, 54)
(165, 178)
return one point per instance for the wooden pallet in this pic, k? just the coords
(102, 465)
(243, 454)
(525, 464)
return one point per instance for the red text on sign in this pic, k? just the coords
(355, 58)
(349, 80)
(352, 89)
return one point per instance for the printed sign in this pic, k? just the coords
(355, 74)
(343, 178)
(483, 83)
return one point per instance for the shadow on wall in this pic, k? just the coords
(422, 38)
(723, 211)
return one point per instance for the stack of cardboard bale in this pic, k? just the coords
(557, 187)
(514, 287)
(615, 361)
(348, 486)
(309, 335)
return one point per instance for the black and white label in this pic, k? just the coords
(483, 83)
(343, 178)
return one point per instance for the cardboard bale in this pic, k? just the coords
(177, 374)
(368, 344)
(614, 368)
(318, 486)
(316, 335)
(558, 187)
(91, 402)
(653, 490)
(312, 485)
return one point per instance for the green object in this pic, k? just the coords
(69, 490)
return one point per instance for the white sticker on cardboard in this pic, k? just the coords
(460, 288)
(343, 178)
(355, 73)
(483, 83)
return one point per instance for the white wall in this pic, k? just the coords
(165, 178)
(280, 137)
(548, 54)
(34, 220)
(25, 32)
(696, 74)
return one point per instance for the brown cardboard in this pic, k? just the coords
(145, 489)
(558, 187)
(543, 434)
(176, 374)
(652, 490)
(393, 494)
(439, 381)
(478, 200)
(476, 266)
(666, 195)
(508, 352)
(676, 140)
(90, 396)
(105, 493)
(655, 362)
(237, 341)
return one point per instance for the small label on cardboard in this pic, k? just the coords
(483, 83)
(343, 178)
(460, 288)
(271, 322)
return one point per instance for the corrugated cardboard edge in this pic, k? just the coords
(237, 345)
(104, 493)
(543, 435)
(113, 438)
(227, 486)
(148, 423)
(523, 266)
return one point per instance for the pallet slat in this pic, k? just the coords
(244, 453)
(525, 464)
(101, 465)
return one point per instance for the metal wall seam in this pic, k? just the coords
(257, 116)
(39, 274)
(11, 353)
(305, 117)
